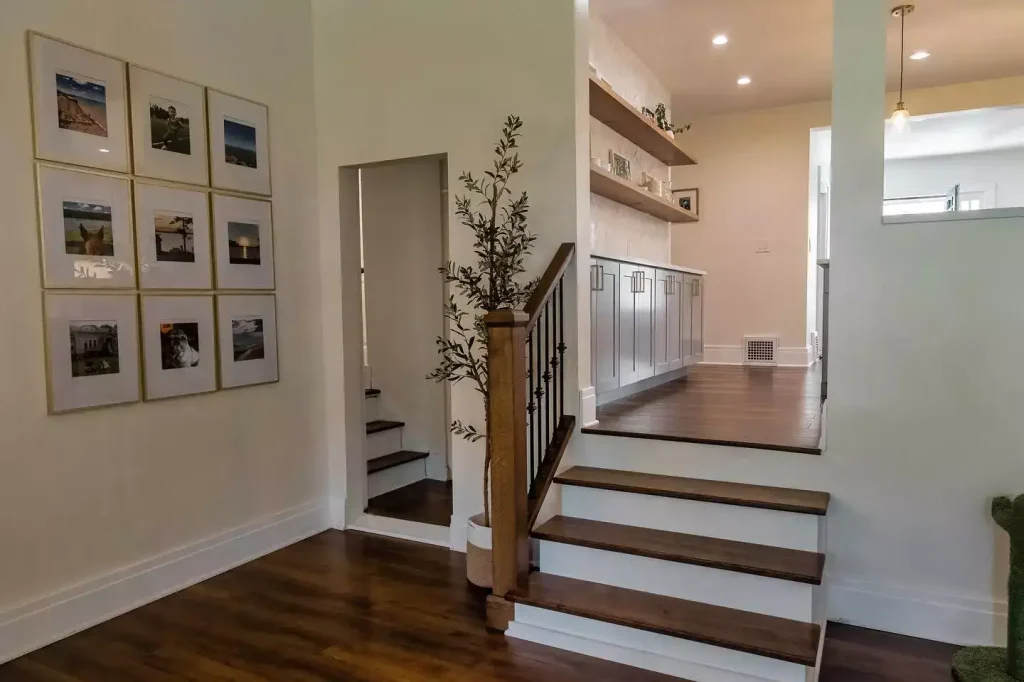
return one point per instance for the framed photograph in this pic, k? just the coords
(243, 235)
(619, 165)
(85, 230)
(92, 350)
(178, 346)
(79, 105)
(173, 237)
(168, 127)
(687, 199)
(239, 143)
(247, 333)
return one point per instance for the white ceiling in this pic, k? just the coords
(785, 46)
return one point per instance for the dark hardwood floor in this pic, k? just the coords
(426, 501)
(760, 407)
(360, 608)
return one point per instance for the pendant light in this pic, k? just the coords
(901, 117)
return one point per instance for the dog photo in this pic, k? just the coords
(179, 345)
(247, 338)
(243, 243)
(81, 104)
(174, 236)
(93, 349)
(88, 229)
(169, 126)
(239, 143)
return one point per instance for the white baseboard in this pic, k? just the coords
(792, 356)
(402, 529)
(939, 616)
(45, 620)
(588, 406)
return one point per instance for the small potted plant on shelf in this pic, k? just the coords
(502, 241)
(660, 118)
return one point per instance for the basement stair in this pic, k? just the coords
(388, 466)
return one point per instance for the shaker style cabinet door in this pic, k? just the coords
(604, 324)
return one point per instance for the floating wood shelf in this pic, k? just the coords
(616, 113)
(612, 187)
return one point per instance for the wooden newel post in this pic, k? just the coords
(506, 429)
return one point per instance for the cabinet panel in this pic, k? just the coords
(645, 322)
(674, 321)
(698, 320)
(687, 321)
(604, 324)
(629, 288)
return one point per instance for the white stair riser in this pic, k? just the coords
(731, 522)
(383, 443)
(371, 409)
(651, 651)
(770, 596)
(396, 477)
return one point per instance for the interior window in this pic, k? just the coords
(915, 205)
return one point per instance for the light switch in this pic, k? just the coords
(761, 246)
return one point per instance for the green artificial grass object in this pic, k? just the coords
(993, 664)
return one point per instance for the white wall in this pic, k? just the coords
(451, 73)
(1001, 171)
(618, 230)
(85, 495)
(923, 425)
(403, 246)
(752, 173)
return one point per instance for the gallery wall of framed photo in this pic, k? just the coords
(156, 231)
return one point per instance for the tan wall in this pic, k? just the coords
(82, 495)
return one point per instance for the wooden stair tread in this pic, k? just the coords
(379, 425)
(371, 392)
(393, 460)
(730, 555)
(753, 633)
(722, 492)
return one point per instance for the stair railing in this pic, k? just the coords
(527, 427)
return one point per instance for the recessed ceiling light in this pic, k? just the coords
(720, 39)
(920, 54)
(743, 80)
(105, 151)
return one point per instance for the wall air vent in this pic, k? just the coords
(761, 351)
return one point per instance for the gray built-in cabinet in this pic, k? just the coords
(647, 325)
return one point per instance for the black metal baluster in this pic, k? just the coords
(555, 386)
(561, 346)
(538, 392)
(529, 404)
(548, 347)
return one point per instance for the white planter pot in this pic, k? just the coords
(479, 569)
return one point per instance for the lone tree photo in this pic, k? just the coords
(502, 241)
(996, 664)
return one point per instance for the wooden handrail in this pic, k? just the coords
(527, 430)
(546, 284)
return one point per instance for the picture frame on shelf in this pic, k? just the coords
(239, 143)
(247, 339)
(85, 229)
(173, 237)
(79, 105)
(619, 165)
(168, 127)
(178, 345)
(243, 235)
(688, 199)
(92, 350)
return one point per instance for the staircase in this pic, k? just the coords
(388, 466)
(701, 578)
(673, 574)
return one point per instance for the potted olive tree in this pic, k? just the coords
(497, 218)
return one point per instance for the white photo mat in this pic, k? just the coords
(168, 148)
(247, 338)
(161, 211)
(178, 346)
(88, 125)
(247, 264)
(237, 125)
(106, 360)
(77, 211)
